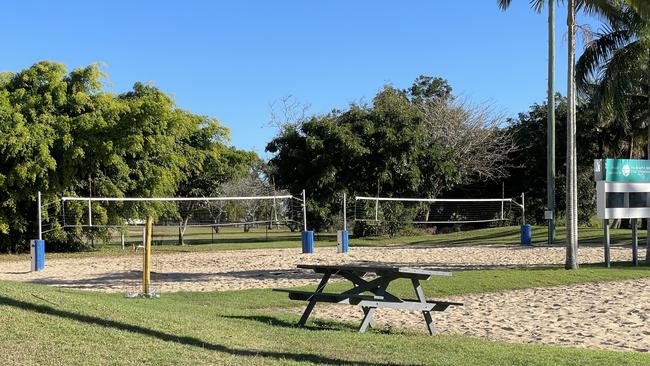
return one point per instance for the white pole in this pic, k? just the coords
(40, 227)
(377, 209)
(503, 193)
(90, 213)
(345, 217)
(523, 209)
(275, 209)
(304, 209)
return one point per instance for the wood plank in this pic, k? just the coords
(406, 271)
(312, 300)
(419, 292)
(403, 305)
(324, 296)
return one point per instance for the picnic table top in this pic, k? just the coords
(379, 270)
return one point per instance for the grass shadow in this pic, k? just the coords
(173, 338)
(319, 324)
(315, 325)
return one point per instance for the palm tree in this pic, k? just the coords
(537, 6)
(614, 72)
(571, 156)
(607, 8)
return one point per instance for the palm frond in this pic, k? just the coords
(620, 78)
(504, 4)
(536, 5)
(598, 52)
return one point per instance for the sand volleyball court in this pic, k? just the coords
(606, 315)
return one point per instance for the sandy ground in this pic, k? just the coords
(609, 315)
(605, 315)
(267, 268)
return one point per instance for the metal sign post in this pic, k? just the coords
(622, 192)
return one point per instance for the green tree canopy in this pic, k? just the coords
(399, 146)
(62, 134)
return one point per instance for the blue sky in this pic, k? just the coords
(230, 60)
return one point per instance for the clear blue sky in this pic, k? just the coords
(230, 60)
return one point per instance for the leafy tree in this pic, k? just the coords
(614, 72)
(220, 165)
(61, 134)
(529, 162)
(399, 146)
(30, 124)
(606, 8)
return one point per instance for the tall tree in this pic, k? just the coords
(571, 157)
(62, 135)
(220, 165)
(538, 5)
(417, 142)
(614, 72)
(608, 9)
(605, 7)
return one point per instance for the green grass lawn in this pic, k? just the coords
(47, 326)
(238, 327)
(504, 235)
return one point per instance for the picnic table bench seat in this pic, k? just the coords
(368, 300)
(323, 296)
(429, 305)
(402, 272)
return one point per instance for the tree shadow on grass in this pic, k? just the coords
(625, 265)
(184, 340)
(315, 325)
(124, 279)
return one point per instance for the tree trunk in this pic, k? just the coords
(647, 220)
(182, 226)
(550, 127)
(571, 169)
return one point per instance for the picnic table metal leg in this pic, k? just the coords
(372, 318)
(312, 301)
(369, 312)
(367, 318)
(427, 315)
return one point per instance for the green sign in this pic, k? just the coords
(627, 170)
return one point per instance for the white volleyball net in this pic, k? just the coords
(437, 211)
(107, 223)
(92, 215)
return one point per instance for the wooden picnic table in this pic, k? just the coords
(378, 296)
